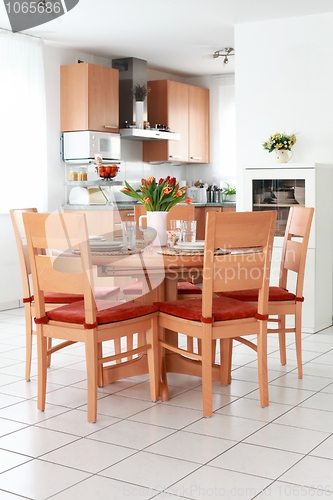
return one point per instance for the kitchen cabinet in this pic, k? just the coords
(89, 98)
(185, 110)
(308, 185)
(198, 125)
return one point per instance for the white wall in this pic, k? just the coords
(284, 82)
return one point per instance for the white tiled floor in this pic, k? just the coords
(138, 449)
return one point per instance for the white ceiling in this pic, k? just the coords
(177, 36)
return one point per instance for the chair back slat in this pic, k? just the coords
(19, 231)
(240, 232)
(238, 271)
(294, 252)
(53, 274)
(64, 272)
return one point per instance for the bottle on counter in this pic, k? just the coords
(73, 174)
(83, 174)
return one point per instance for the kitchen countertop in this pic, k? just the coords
(130, 206)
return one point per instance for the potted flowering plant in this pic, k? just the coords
(280, 144)
(158, 196)
(280, 141)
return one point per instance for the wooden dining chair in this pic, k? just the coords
(51, 299)
(186, 289)
(89, 321)
(282, 302)
(221, 317)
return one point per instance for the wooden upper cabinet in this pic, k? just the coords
(198, 125)
(168, 105)
(89, 98)
(180, 107)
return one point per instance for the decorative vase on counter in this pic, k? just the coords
(283, 155)
(139, 109)
(156, 224)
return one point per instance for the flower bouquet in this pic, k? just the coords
(280, 141)
(158, 196)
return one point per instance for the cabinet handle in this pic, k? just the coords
(130, 215)
(175, 156)
(110, 126)
(195, 157)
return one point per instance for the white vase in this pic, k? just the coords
(157, 225)
(283, 155)
(139, 109)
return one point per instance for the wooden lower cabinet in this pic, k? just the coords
(200, 217)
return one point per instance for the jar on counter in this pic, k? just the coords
(83, 174)
(73, 174)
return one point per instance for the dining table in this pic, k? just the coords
(159, 269)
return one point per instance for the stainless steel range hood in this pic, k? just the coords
(133, 71)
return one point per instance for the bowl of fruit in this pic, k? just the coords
(107, 171)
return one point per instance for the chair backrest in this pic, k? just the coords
(240, 270)
(177, 212)
(19, 231)
(65, 266)
(293, 251)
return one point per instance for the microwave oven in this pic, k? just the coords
(82, 146)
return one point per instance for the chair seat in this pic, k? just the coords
(106, 312)
(224, 309)
(101, 293)
(184, 287)
(275, 294)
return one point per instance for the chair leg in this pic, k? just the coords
(225, 360)
(49, 346)
(100, 365)
(42, 367)
(91, 347)
(206, 345)
(28, 340)
(162, 367)
(213, 351)
(129, 345)
(282, 339)
(262, 364)
(117, 349)
(189, 344)
(153, 360)
(298, 338)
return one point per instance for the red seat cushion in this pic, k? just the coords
(187, 287)
(224, 309)
(183, 287)
(275, 293)
(107, 312)
(133, 289)
(101, 293)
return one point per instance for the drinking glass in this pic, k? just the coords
(189, 231)
(129, 234)
(177, 225)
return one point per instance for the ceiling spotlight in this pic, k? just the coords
(228, 51)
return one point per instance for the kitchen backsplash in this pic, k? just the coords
(132, 170)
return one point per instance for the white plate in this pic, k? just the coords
(200, 245)
(115, 245)
(96, 238)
